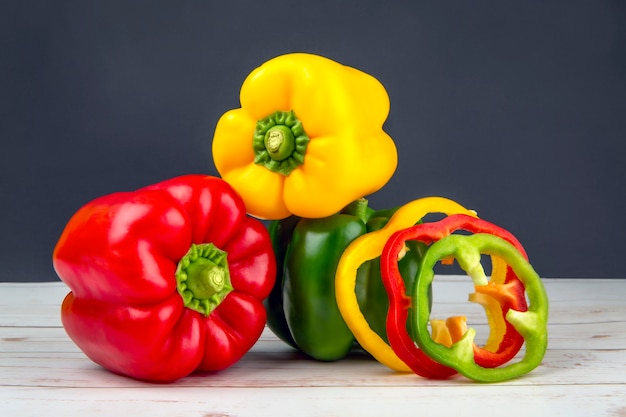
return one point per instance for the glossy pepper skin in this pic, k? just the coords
(531, 323)
(307, 139)
(302, 308)
(165, 280)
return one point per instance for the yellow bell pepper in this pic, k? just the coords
(307, 140)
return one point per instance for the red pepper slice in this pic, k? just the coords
(429, 232)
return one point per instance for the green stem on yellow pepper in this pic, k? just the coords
(280, 142)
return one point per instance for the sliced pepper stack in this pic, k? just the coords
(501, 299)
(505, 341)
(368, 247)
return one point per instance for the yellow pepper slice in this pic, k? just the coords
(493, 308)
(370, 246)
(307, 140)
(449, 331)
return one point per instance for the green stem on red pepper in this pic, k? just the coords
(202, 278)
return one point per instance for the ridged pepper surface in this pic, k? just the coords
(165, 280)
(307, 140)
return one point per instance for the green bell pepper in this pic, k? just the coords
(302, 309)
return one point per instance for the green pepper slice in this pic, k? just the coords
(531, 324)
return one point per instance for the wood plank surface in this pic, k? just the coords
(583, 373)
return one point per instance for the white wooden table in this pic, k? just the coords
(42, 373)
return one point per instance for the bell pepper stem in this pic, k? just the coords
(360, 209)
(203, 278)
(279, 142)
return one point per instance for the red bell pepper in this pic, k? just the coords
(165, 280)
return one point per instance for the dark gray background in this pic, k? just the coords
(515, 109)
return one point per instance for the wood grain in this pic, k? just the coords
(584, 371)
